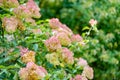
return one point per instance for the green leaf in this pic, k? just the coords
(85, 28)
(35, 47)
(15, 76)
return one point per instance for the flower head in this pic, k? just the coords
(64, 39)
(23, 50)
(82, 62)
(79, 77)
(65, 27)
(32, 72)
(23, 73)
(88, 72)
(54, 23)
(67, 56)
(33, 8)
(10, 24)
(22, 11)
(58, 26)
(76, 38)
(53, 44)
(30, 9)
(28, 57)
(92, 22)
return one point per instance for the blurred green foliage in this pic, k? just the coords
(103, 49)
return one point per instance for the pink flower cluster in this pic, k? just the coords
(53, 44)
(76, 38)
(92, 22)
(30, 9)
(32, 72)
(87, 72)
(63, 33)
(26, 55)
(27, 11)
(82, 62)
(56, 25)
(10, 24)
(62, 37)
(67, 56)
(79, 77)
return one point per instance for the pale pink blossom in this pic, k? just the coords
(88, 72)
(10, 24)
(65, 27)
(76, 38)
(23, 73)
(33, 8)
(93, 22)
(82, 62)
(79, 77)
(42, 69)
(30, 9)
(23, 50)
(53, 44)
(64, 39)
(61, 30)
(26, 55)
(32, 72)
(31, 65)
(22, 11)
(54, 23)
(67, 56)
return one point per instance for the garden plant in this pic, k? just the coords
(36, 49)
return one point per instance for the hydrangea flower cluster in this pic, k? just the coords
(22, 12)
(62, 37)
(30, 9)
(10, 24)
(87, 72)
(32, 72)
(58, 45)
